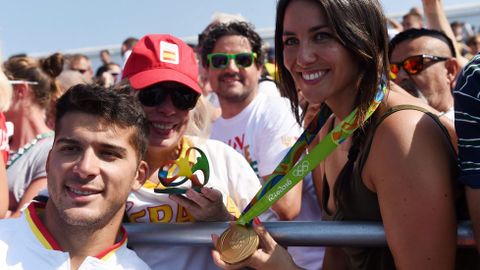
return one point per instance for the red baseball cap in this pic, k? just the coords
(160, 58)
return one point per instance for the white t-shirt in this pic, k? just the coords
(269, 88)
(263, 132)
(450, 114)
(25, 243)
(213, 98)
(229, 173)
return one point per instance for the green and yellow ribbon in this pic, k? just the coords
(286, 175)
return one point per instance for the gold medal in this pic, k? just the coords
(237, 243)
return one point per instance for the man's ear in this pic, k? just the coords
(260, 68)
(453, 68)
(141, 175)
(20, 91)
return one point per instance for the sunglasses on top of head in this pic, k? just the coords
(413, 64)
(183, 98)
(221, 60)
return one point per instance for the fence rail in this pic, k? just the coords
(292, 233)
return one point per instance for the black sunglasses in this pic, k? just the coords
(183, 98)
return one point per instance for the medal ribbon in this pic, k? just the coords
(285, 176)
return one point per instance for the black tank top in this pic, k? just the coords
(358, 203)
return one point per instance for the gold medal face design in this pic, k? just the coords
(237, 243)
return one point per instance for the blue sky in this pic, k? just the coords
(31, 26)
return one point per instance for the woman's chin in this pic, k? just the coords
(313, 98)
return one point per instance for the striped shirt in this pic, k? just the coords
(467, 122)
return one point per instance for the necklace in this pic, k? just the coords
(15, 155)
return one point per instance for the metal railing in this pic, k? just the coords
(292, 233)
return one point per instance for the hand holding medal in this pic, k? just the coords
(234, 259)
(236, 244)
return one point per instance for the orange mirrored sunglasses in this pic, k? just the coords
(413, 64)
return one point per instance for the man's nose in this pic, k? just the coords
(88, 164)
(231, 66)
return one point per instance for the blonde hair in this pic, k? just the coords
(201, 118)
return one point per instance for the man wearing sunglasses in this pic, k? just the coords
(422, 61)
(82, 64)
(260, 127)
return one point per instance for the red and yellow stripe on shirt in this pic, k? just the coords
(104, 255)
(47, 240)
(37, 227)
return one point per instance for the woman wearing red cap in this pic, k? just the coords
(163, 71)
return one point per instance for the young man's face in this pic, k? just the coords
(91, 169)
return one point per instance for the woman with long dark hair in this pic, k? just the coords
(398, 167)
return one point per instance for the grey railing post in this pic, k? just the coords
(291, 233)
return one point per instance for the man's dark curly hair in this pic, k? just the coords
(233, 28)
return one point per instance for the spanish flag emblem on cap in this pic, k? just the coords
(169, 53)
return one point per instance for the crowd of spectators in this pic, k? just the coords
(409, 159)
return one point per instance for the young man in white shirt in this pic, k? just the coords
(95, 161)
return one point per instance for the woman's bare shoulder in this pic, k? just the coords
(400, 97)
(404, 142)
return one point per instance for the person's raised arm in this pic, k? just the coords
(437, 20)
(395, 24)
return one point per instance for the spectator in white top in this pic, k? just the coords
(260, 127)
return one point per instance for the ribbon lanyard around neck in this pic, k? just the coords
(286, 175)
